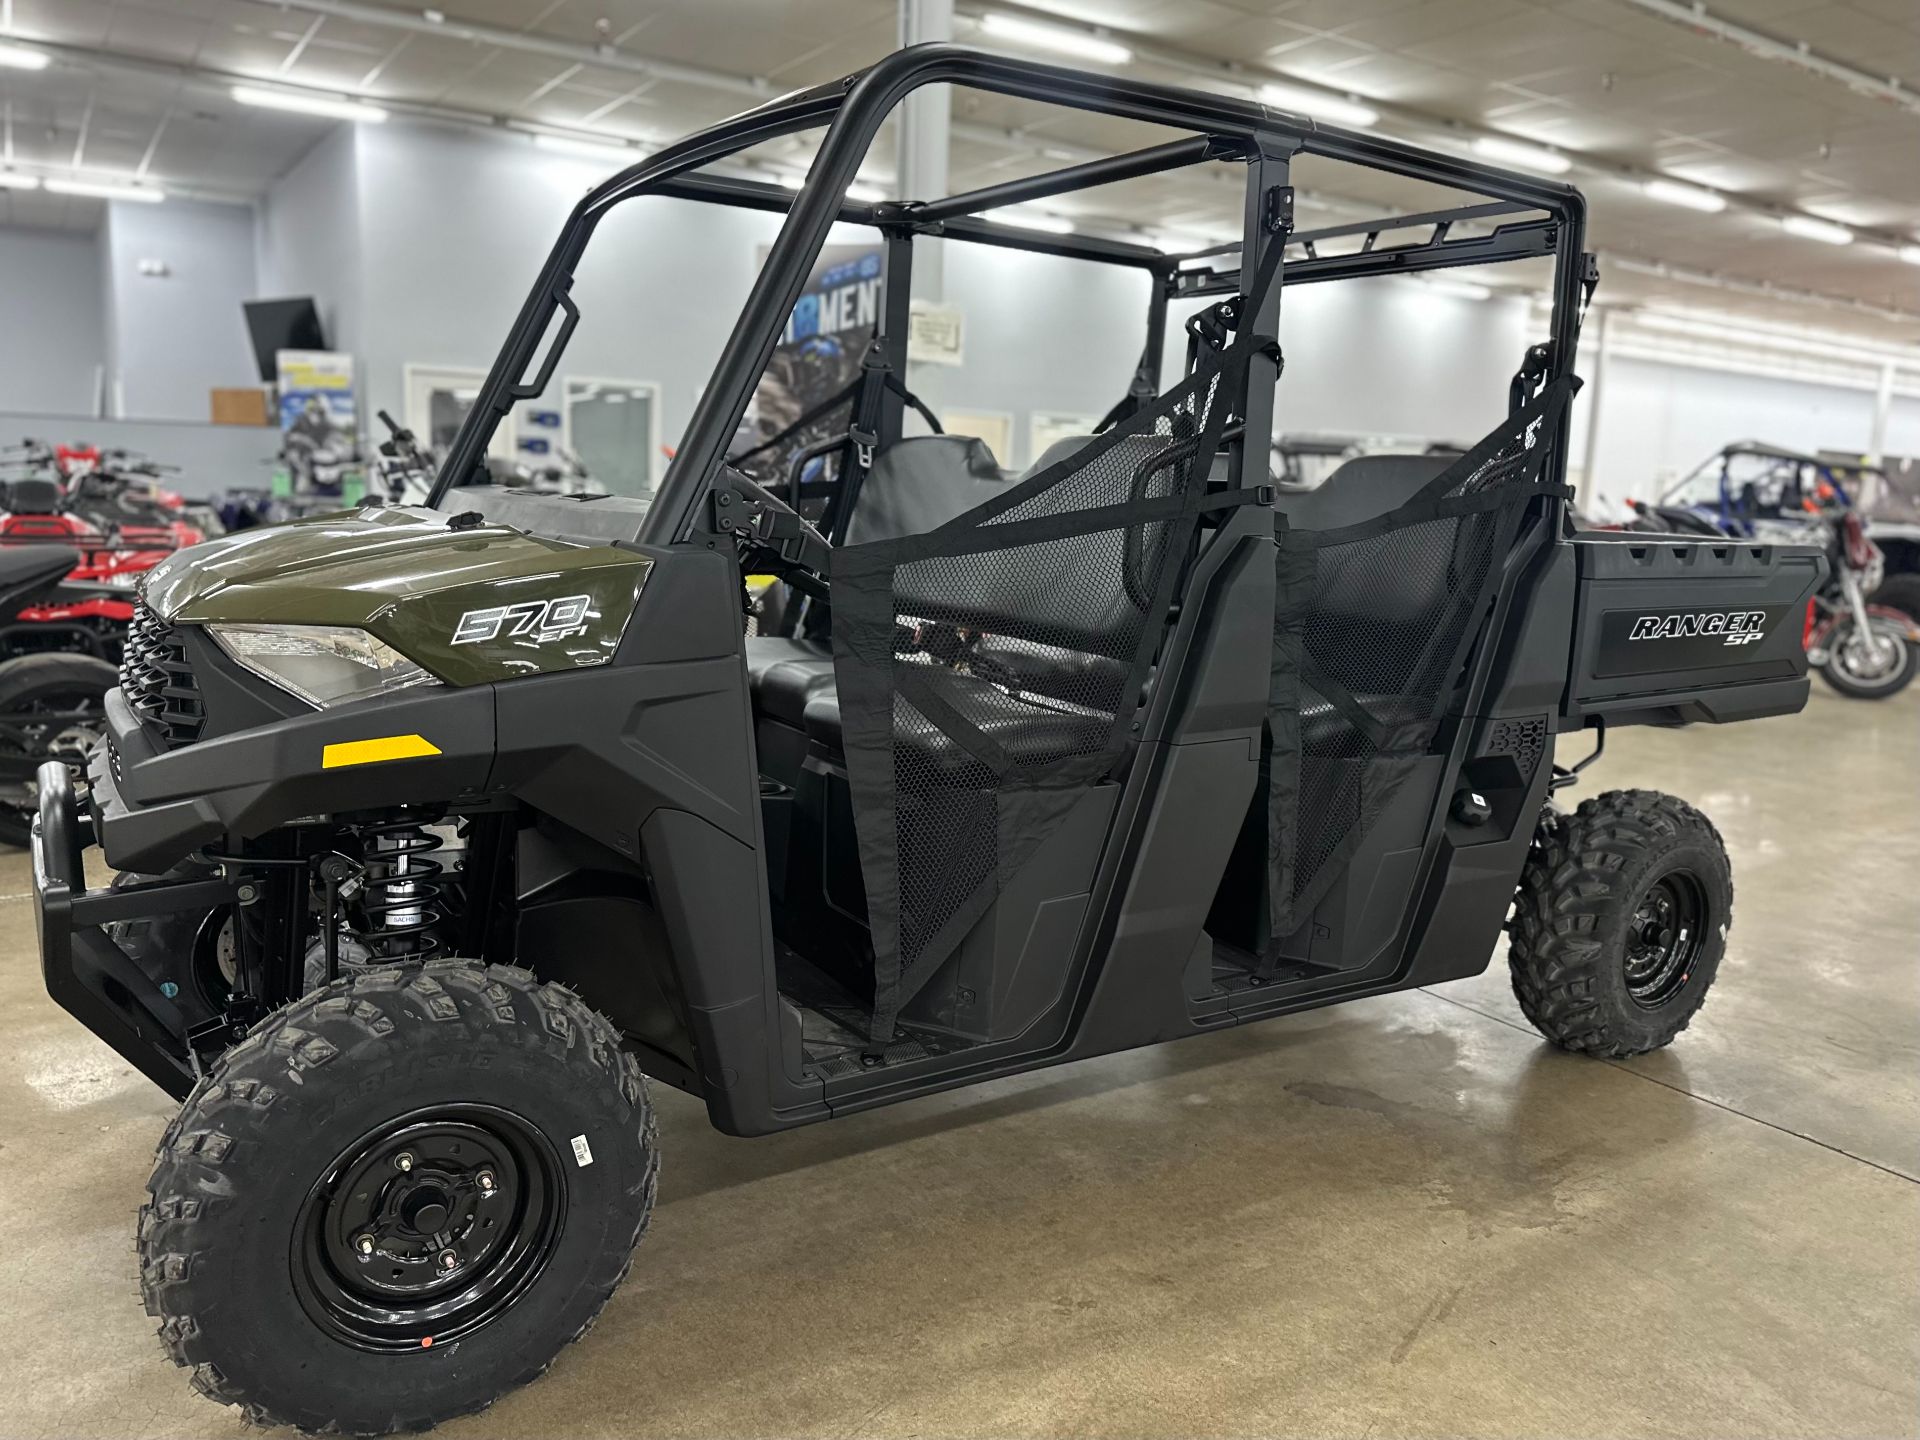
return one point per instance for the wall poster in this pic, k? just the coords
(817, 357)
(319, 418)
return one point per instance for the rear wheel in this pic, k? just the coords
(1620, 922)
(52, 707)
(398, 1198)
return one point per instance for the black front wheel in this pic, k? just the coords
(398, 1198)
(52, 707)
(1620, 922)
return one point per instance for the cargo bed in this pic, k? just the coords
(1670, 629)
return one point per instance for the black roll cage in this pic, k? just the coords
(852, 110)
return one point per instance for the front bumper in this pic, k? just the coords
(150, 808)
(154, 806)
(85, 970)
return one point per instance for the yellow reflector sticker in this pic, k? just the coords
(369, 752)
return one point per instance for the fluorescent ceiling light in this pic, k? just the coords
(608, 150)
(1312, 102)
(1809, 227)
(14, 180)
(1055, 37)
(18, 57)
(107, 190)
(1909, 253)
(1459, 289)
(330, 107)
(1519, 152)
(1029, 220)
(1690, 197)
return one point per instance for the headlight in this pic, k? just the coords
(321, 664)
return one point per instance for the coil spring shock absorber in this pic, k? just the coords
(401, 896)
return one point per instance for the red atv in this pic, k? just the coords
(66, 600)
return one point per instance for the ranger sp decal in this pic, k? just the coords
(534, 621)
(1736, 627)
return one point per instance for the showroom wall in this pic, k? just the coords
(178, 332)
(52, 322)
(1660, 420)
(308, 236)
(461, 223)
(1397, 357)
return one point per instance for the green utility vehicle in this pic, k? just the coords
(442, 826)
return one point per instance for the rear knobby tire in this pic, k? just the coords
(455, 1106)
(1620, 922)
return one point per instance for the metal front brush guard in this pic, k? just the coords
(93, 979)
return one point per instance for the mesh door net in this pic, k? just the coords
(991, 670)
(1373, 625)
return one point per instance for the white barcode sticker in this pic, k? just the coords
(582, 1152)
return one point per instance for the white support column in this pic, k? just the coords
(1595, 391)
(924, 124)
(1882, 415)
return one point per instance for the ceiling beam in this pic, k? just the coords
(1695, 16)
(1757, 289)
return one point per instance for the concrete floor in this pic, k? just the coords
(1405, 1216)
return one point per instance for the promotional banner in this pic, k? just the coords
(817, 358)
(319, 418)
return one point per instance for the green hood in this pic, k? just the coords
(470, 605)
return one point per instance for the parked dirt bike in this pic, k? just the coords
(1865, 651)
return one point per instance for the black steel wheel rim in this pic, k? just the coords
(1665, 937)
(428, 1227)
